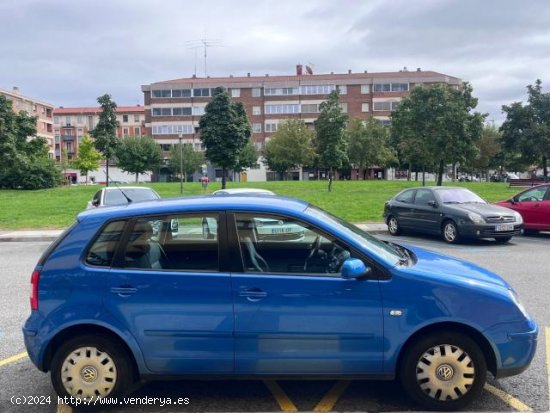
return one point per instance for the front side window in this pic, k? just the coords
(174, 243)
(103, 249)
(424, 197)
(536, 194)
(275, 244)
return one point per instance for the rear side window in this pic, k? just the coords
(103, 249)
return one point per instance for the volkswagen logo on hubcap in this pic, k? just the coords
(445, 372)
(88, 374)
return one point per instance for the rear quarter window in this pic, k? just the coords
(102, 250)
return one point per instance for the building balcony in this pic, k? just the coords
(68, 137)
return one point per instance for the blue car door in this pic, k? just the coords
(170, 294)
(294, 314)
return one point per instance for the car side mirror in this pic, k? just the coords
(512, 201)
(354, 268)
(433, 204)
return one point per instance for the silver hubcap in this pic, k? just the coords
(450, 232)
(393, 225)
(88, 373)
(445, 372)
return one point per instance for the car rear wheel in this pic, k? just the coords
(393, 226)
(443, 371)
(90, 368)
(449, 232)
(503, 240)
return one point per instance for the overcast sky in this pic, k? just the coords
(68, 52)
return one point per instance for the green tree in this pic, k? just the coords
(138, 155)
(438, 121)
(224, 131)
(192, 160)
(291, 146)
(488, 150)
(248, 157)
(330, 140)
(88, 157)
(24, 162)
(526, 130)
(368, 144)
(104, 133)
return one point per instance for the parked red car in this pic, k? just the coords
(534, 206)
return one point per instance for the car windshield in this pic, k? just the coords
(116, 196)
(458, 196)
(372, 244)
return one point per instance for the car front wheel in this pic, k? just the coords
(443, 372)
(449, 232)
(393, 226)
(90, 368)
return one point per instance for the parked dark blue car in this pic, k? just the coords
(190, 287)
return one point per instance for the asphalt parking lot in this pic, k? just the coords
(525, 263)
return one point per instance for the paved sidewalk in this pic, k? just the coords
(48, 235)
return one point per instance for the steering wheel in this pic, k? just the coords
(315, 245)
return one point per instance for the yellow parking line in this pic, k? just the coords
(508, 399)
(329, 400)
(548, 362)
(13, 359)
(280, 396)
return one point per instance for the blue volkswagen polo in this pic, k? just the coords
(192, 287)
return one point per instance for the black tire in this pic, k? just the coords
(394, 228)
(503, 240)
(102, 358)
(449, 232)
(437, 391)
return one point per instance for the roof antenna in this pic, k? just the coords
(204, 44)
(119, 188)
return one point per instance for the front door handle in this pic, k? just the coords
(124, 291)
(252, 294)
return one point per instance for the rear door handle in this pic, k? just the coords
(124, 291)
(252, 294)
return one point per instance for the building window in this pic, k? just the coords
(181, 93)
(344, 107)
(162, 93)
(256, 92)
(285, 91)
(198, 110)
(364, 107)
(391, 87)
(235, 93)
(125, 132)
(136, 118)
(164, 111)
(256, 110)
(343, 89)
(384, 106)
(56, 120)
(125, 118)
(310, 108)
(90, 122)
(79, 119)
(181, 111)
(203, 92)
(271, 127)
(365, 89)
(257, 127)
(317, 89)
(68, 120)
(281, 109)
(137, 131)
(173, 129)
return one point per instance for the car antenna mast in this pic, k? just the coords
(120, 189)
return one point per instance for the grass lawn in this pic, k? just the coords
(356, 201)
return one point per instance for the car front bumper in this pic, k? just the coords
(471, 230)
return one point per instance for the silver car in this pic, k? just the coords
(116, 196)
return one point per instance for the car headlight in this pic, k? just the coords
(518, 303)
(476, 218)
(519, 218)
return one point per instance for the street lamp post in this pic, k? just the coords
(181, 165)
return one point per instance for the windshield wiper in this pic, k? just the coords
(403, 253)
(452, 202)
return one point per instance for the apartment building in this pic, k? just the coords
(71, 124)
(34, 107)
(173, 107)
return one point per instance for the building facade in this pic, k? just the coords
(173, 108)
(42, 110)
(71, 124)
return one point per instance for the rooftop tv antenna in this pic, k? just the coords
(203, 44)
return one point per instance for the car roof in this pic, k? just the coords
(122, 188)
(240, 191)
(276, 204)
